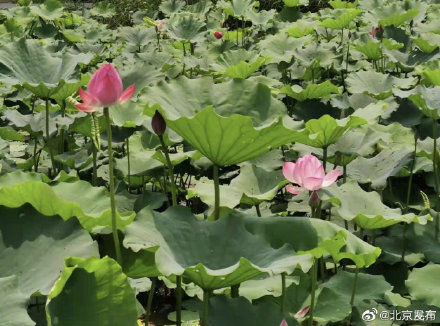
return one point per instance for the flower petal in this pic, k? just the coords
(106, 85)
(294, 190)
(86, 108)
(87, 98)
(127, 94)
(312, 183)
(288, 169)
(331, 177)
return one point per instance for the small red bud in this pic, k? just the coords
(218, 35)
(158, 123)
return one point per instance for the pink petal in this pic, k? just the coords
(106, 85)
(86, 108)
(127, 94)
(331, 177)
(294, 190)
(284, 323)
(302, 312)
(313, 168)
(288, 169)
(87, 98)
(312, 183)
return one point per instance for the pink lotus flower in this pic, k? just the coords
(308, 173)
(376, 30)
(284, 323)
(105, 89)
(218, 35)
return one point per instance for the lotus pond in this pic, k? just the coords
(220, 163)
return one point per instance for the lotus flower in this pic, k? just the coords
(105, 89)
(284, 323)
(376, 30)
(308, 173)
(218, 35)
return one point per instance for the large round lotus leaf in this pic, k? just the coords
(35, 245)
(28, 63)
(49, 10)
(96, 291)
(234, 97)
(428, 101)
(280, 47)
(244, 69)
(239, 311)
(91, 205)
(342, 21)
(185, 27)
(13, 304)
(326, 130)
(314, 236)
(398, 18)
(200, 252)
(312, 91)
(423, 284)
(366, 208)
(372, 50)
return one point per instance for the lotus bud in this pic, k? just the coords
(314, 200)
(302, 312)
(218, 35)
(284, 323)
(158, 123)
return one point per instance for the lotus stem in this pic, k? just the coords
(112, 187)
(170, 171)
(204, 319)
(313, 292)
(179, 300)
(324, 157)
(257, 208)
(434, 166)
(150, 300)
(35, 154)
(48, 142)
(353, 293)
(94, 172)
(128, 162)
(235, 290)
(216, 193)
(283, 292)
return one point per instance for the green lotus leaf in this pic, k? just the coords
(137, 36)
(239, 311)
(280, 47)
(8, 133)
(312, 91)
(340, 4)
(432, 76)
(186, 27)
(77, 160)
(244, 69)
(326, 130)
(89, 204)
(28, 63)
(13, 27)
(424, 45)
(295, 3)
(237, 8)
(103, 9)
(423, 284)
(98, 292)
(372, 50)
(199, 251)
(342, 21)
(73, 36)
(398, 19)
(13, 304)
(378, 169)
(313, 236)
(366, 208)
(70, 88)
(169, 7)
(49, 10)
(428, 101)
(232, 140)
(368, 287)
(237, 96)
(265, 286)
(375, 83)
(300, 30)
(391, 44)
(26, 234)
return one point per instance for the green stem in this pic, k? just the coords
(353, 293)
(313, 291)
(434, 166)
(184, 49)
(235, 290)
(35, 154)
(94, 171)
(150, 300)
(344, 174)
(283, 292)
(324, 157)
(48, 142)
(216, 193)
(257, 208)
(179, 300)
(112, 187)
(128, 163)
(204, 319)
(170, 171)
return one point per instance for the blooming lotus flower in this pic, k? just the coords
(377, 30)
(105, 89)
(218, 35)
(284, 323)
(308, 173)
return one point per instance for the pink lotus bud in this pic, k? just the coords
(158, 123)
(302, 312)
(308, 173)
(284, 323)
(105, 89)
(377, 31)
(218, 35)
(314, 200)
